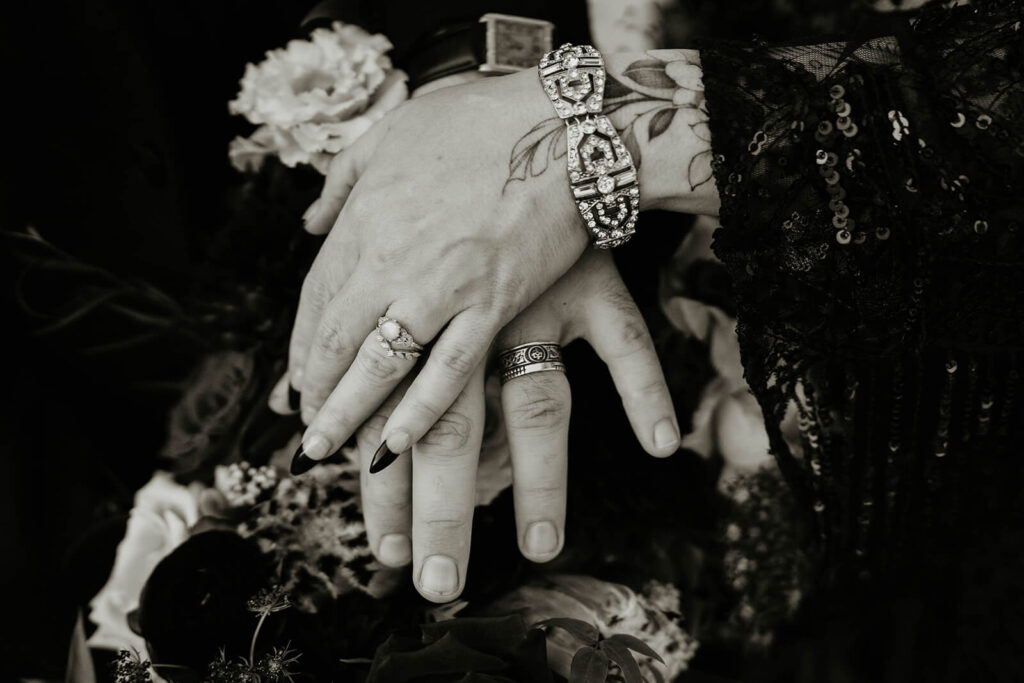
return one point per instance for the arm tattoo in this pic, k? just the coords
(651, 97)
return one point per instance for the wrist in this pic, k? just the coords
(656, 101)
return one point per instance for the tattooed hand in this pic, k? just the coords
(451, 216)
(656, 101)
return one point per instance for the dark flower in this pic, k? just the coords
(204, 425)
(196, 600)
(496, 649)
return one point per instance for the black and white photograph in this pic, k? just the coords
(473, 341)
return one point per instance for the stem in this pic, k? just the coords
(255, 635)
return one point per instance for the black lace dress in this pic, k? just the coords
(873, 225)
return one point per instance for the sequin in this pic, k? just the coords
(820, 157)
(882, 233)
(851, 131)
(825, 127)
(836, 92)
(842, 108)
(860, 237)
(983, 122)
(951, 366)
(958, 121)
(843, 236)
(843, 122)
(839, 221)
(832, 178)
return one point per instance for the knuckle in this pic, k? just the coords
(456, 360)
(446, 524)
(631, 336)
(449, 434)
(332, 341)
(643, 392)
(378, 367)
(315, 291)
(537, 410)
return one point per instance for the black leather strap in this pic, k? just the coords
(450, 50)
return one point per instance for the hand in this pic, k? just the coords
(431, 233)
(429, 497)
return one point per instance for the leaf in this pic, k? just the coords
(578, 628)
(637, 645)
(588, 666)
(614, 89)
(621, 655)
(649, 73)
(660, 122)
(699, 170)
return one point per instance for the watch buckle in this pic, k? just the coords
(500, 28)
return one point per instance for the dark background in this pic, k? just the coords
(116, 152)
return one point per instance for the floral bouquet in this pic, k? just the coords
(232, 570)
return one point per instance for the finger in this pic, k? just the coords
(387, 502)
(284, 398)
(457, 354)
(536, 409)
(444, 493)
(368, 381)
(344, 171)
(620, 337)
(340, 333)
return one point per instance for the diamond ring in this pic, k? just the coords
(396, 340)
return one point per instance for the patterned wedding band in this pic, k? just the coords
(602, 175)
(527, 358)
(396, 340)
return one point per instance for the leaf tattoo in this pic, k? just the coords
(649, 73)
(660, 122)
(654, 92)
(532, 154)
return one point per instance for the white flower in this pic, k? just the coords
(728, 419)
(159, 523)
(313, 98)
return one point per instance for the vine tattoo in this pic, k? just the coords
(659, 94)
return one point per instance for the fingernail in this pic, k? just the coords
(541, 538)
(398, 441)
(439, 575)
(382, 458)
(311, 212)
(294, 397)
(313, 449)
(301, 463)
(395, 550)
(666, 434)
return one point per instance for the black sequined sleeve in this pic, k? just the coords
(872, 220)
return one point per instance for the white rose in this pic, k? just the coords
(313, 98)
(159, 523)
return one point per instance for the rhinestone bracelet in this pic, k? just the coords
(601, 171)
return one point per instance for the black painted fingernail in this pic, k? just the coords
(294, 397)
(382, 458)
(302, 463)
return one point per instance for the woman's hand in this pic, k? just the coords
(432, 233)
(455, 213)
(420, 508)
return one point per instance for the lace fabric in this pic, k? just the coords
(872, 226)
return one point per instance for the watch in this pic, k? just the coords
(495, 44)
